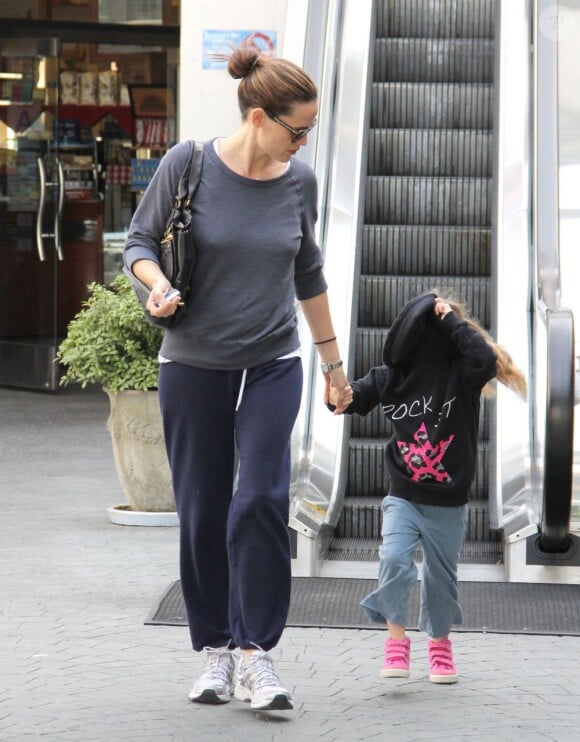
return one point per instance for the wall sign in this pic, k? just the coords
(222, 42)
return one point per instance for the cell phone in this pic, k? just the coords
(171, 294)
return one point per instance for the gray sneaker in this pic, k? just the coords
(258, 683)
(216, 683)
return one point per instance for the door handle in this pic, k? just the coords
(58, 211)
(40, 213)
(56, 235)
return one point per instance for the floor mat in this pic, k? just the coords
(495, 607)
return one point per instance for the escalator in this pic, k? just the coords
(430, 180)
(427, 224)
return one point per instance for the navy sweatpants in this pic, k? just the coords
(234, 546)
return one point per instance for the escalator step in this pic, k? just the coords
(367, 550)
(412, 250)
(433, 60)
(429, 152)
(405, 105)
(367, 475)
(361, 517)
(437, 201)
(369, 348)
(382, 297)
(435, 18)
(373, 425)
(354, 550)
(478, 527)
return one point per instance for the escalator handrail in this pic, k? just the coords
(559, 429)
(559, 435)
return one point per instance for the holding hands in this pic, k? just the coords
(340, 398)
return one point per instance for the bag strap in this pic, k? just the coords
(196, 165)
(190, 177)
(180, 215)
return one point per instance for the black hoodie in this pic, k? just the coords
(429, 387)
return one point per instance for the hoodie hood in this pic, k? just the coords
(415, 336)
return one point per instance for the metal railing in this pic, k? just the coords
(321, 439)
(511, 498)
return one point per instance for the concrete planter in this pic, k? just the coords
(123, 515)
(138, 447)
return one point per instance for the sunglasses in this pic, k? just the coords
(297, 134)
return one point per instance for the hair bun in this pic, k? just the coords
(242, 61)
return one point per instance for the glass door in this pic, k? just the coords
(85, 115)
(31, 205)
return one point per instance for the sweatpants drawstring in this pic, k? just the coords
(242, 387)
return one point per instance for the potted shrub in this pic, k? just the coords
(111, 343)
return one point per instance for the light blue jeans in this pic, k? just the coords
(440, 531)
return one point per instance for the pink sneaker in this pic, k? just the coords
(397, 658)
(441, 665)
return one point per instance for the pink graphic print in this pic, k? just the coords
(424, 460)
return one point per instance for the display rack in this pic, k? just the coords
(80, 171)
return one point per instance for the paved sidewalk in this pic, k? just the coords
(78, 664)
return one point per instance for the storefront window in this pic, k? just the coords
(130, 11)
(154, 12)
(88, 107)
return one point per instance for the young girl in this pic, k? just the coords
(436, 364)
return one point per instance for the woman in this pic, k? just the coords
(230, 379)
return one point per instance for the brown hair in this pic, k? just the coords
(507, 373)
(271, 83)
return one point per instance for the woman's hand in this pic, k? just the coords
(149, 273)
(158, 304)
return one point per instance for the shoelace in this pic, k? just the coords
(217, 662)
(261, 671)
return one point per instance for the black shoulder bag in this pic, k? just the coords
(177, 251)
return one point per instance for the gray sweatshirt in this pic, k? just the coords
(256, 253)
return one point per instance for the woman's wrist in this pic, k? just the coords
(329, 367)
(323, 342)
(338, 379)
